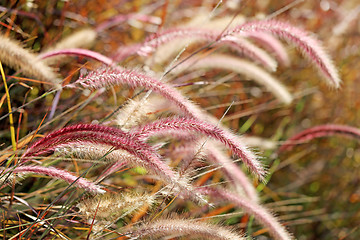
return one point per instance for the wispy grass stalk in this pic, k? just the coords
(238, 44)
(251, 51)
(133, 113)
(201, 21)
(97, 134)
(108, 208)
(112, 169)
(94, 152)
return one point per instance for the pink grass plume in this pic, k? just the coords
(106, 77)
(116, 76)
(78, 52)
(238, 44)
(144, 154)
(237, 177)
(60, 174)
(169, 228)
(170, 125)
(248, 49)
(261, 214)
(309, 45)
(320, 131)
(97, 134)
(271, 44)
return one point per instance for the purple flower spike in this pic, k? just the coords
(171, 125)
(144, 154)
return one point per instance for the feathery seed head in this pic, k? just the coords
(181, 227)
(261, 214)
(110, 206)
(193, 125)
(133, 113)
(93, 152)
(116, 76)
(19, 58)
(59, 174)
(144, 154)
(309, 45)
(320, 131)
(104, 210)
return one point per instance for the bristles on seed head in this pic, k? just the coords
(133, 113)
(111, 206)
(229, 139)
(181, 227)
(93, 152)
(19, 58)
(60, 174)
(104, 210)
(309, 45)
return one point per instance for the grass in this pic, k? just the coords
(142, 139)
